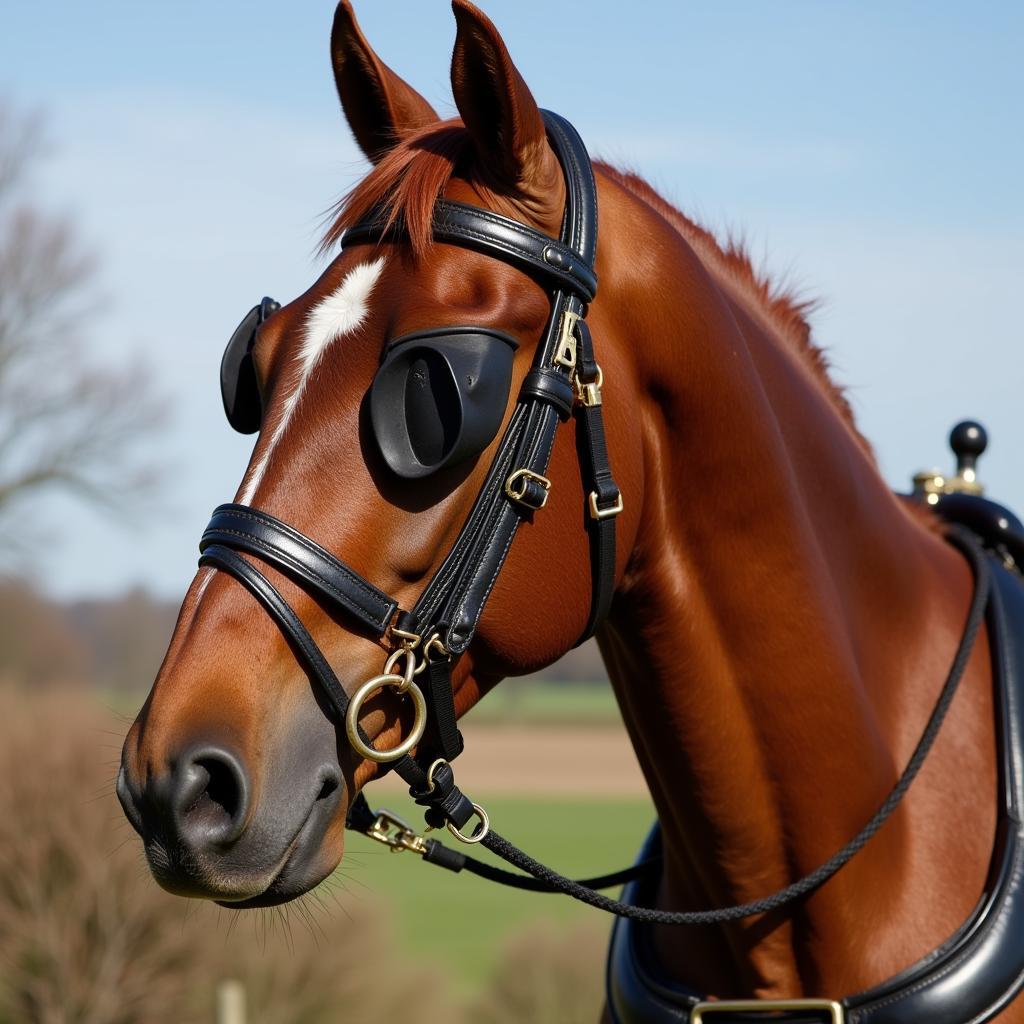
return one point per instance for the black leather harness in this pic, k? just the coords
(565, 380)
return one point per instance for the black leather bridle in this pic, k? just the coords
(564, 381)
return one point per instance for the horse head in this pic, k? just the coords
(381, 397)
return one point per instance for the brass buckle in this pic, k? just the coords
(396, 833)
(589, 395)
(604, 513)
(834, 1010)
(518, 494)
(565, 354)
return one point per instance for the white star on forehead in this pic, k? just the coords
(333, 317)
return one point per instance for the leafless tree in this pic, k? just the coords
(66, 421)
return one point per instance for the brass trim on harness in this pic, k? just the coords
(396, 833)
(410, 665)
(518, 495)
(408, 639)
(435, 643)
(565, 353)
(482, 829)
(589, 395)
(604, 513)
(834, 1010)
(431, 785)
(403, 685)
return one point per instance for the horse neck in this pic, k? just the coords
(770, 700)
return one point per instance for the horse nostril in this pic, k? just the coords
(211, 798)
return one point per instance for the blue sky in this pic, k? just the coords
(873, 152)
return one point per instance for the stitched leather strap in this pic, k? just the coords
(267, 537)
(550, 386)
(460, 589)
(303, 645)
(580, 230)
(472, 227)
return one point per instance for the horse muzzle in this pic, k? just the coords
(207, 836)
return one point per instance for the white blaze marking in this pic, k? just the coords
(331, 318)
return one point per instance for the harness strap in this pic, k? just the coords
(303, 645)
(258, 533)
(442, 738)
(567, 264)
(471, 227)
(604, 500)
(500, 516)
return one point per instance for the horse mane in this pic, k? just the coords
(412, 176)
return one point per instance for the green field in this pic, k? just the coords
(460, 920)
(526, 702)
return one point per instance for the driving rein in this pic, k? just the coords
(565, 381)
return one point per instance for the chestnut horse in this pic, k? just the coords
(782, 623)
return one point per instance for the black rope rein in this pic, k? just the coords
(541, 878)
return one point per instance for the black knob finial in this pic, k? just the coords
(968, 440)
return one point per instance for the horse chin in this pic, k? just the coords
(293, 881)
(303, 868)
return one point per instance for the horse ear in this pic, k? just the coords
(497, 106)
(377, 103)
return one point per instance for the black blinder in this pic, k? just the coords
(439, 397)
(239, 385)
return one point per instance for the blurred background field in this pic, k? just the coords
(87, 936)
(463, 922)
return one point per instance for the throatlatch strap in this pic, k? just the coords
(599, 485)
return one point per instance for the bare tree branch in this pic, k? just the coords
(66, 423)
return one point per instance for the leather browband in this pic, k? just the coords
(968, 979)
(494, 235)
